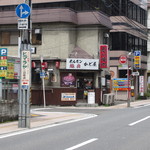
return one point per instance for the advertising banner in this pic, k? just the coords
(121, 84)
(137, 59)
(103, 56)
(141, 85)
(68, 96)
(10, 71)
(25, 69)
(3, 62)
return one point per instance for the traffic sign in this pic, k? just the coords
(3, 51)
(23, 10)
(42, 74)
(123, 59)
(135, 73)
(137, 53)
(22, 24)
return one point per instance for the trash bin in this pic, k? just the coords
(91, 97)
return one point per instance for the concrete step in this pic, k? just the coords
(86, 105)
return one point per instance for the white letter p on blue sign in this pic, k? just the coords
(3, 51)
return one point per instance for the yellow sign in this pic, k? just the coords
(3, 73)
(3, 62)
(10, 71)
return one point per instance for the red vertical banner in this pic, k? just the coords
(103, 56)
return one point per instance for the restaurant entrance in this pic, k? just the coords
(85, 83)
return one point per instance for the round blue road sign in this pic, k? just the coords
(23, 10)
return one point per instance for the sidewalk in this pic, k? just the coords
(42, 118)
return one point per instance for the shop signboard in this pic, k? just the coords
(141, 85)
(121, 84)
(103, 56)
(25, 69)
(3, 62)
(17, 69)
(137, 59)
(10, 69)
(123, 67)
(68, 96)
(68, 79)
(82, 64)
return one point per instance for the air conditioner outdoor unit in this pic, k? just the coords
(108, 99)
(105, 100)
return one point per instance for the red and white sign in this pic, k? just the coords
(103, 56)
(44, 65)
(141, 85)
(123, 59)
(25, 68)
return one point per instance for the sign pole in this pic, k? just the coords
(25, 79)
(43, 83)
(128, 76)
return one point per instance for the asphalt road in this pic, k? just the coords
(121, 129)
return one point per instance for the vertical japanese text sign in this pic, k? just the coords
(103, 56)
(25, 69)
(141, 85)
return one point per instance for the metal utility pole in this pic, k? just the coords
(43, 83)
(129, 82)
(23, 11)
(128, 76)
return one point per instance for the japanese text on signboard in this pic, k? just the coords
(121, 84)
(137, 59)
(25, 66)
(103, 56)
(3, 62)
(84, 64)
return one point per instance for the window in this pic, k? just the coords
(122, 73)
(35, 76)
(119, 41)
(37, 39)
(134, 12)
(115, 9)
(9, 38)
(124, 8)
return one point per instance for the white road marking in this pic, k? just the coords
(44, 127)
(82, 144)
(141, 106)
(38, 109)
(132, 124)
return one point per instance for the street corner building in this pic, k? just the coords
(76, 46)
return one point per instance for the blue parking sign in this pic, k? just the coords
(137, 53)
(3, 51)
